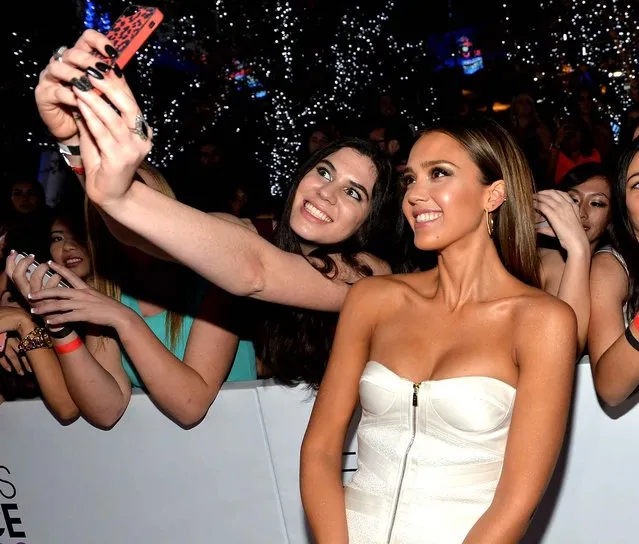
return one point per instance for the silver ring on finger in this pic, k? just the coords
(57, 54)
(142, 128)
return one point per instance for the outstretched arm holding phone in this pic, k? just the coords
(224, 252)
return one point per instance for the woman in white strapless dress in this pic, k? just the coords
(464, 372)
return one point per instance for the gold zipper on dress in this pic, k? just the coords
(404, 461)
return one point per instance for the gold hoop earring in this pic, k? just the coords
(490, 222)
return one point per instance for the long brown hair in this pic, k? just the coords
(498, 157)
(107, 255)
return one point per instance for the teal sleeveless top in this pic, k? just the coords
(244, 367)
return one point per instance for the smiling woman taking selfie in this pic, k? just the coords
(332, 218)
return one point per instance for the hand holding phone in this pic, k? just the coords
(129, 33)
(48, 274)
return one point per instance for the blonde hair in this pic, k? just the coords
(106, 253)
(498, 157)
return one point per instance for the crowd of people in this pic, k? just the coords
(492, 254)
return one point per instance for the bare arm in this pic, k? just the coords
(230, 255)
(185, 390)
(565, 224)
(95, 378)
(615, 364)
(321, 456)
(574, 290)
(93, 373)
(45, 365)
(545, 341)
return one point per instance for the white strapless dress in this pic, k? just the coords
(429, 457)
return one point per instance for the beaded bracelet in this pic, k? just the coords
(38, 338)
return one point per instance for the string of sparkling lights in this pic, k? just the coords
(281, 149)
(362, 55)
(176, 35)
(601, 35)
(30, 68)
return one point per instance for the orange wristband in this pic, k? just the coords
(635, 322)
(68, 347)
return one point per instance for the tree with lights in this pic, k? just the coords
(595, 43)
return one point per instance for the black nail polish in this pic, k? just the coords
(94, 73)
(117, 70)
(81, 84)
(111, 51)
(104, 68)
(85, 81)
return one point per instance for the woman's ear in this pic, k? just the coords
(496, 195)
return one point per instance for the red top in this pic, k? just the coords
(565, 164)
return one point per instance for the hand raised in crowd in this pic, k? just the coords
(563, 217)
(112, 144)
(61, 305)
(54, 98)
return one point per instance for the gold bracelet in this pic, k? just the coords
(38, 338)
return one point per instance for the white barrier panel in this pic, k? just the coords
(234, 478)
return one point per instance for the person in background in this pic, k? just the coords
(315, 137)
(629, 125)
(68, 240)
(532, 135)
(148, 324)
(613, 334)
(573, 221)
(24, 207)
(586, 110)
(573, 146)
(331, 218)
(30, 366)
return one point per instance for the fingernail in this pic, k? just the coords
(82, 84)
(117, 70)
(31, 255)
(94, 73)
(76, 115)
(12, 252)
(49, 262)
(103, 67)
(111, 51)
(29, 297)
(33, 310)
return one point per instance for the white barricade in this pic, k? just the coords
(234, 478)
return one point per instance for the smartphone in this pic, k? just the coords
(33, 266)
(130, 31)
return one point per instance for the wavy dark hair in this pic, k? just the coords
(498, 157)
(296, 343)
(623, 234)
